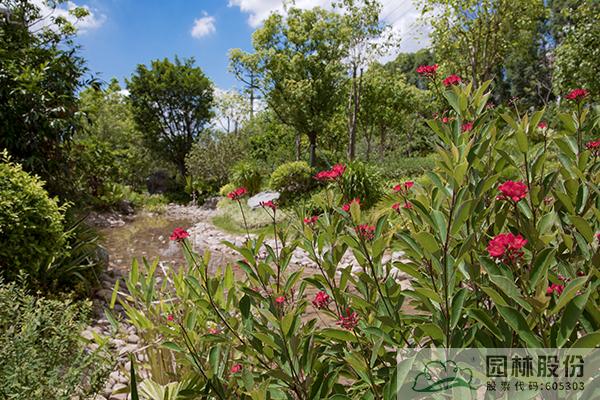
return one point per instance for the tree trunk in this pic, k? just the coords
(312, 137)
(382, 133)
(298, 147)
(354, 105)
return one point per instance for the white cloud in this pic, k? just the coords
(203, 26)
(92, 21)
(402, 15)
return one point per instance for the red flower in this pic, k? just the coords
(594, 147)
(445, 120)
(170, 318)
(280, 300)
(598, 236)
(467, 127)
(407, 206)
(403, 187)
(542, 125)
(346, 207)
(427, 70)
(348, 321)
(269, 204)
(506, 247)
(179, 234)
(321, 300)
(331, 175)
(214, 331)
(311, 220)
(452, 80)
(238, 193)
(554, 288)
(236, 368)
(366, 232)
(511, 190)
(577, 94)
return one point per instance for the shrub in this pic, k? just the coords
(292, 180)
(247, 174)
(226, 189)
(362, 181)
(403, 167)
(42, 355)
(31, 223)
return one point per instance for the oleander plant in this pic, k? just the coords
(497, 246)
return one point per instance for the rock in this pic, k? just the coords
(125, 207)
(210, 203)
(133, 338)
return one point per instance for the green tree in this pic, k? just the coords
(40, 73)
(577, 62)
(407, 63)
(172, 104)
(473, 38)
(297, 66)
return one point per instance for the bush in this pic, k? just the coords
(292, 180)
(249, 175)
(42, 355)
(31, 223)
(362, 181)
(394, 169)
(226, 189)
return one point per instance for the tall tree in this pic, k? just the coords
(40, 74)
(297, 66)
(362, 31)
(172, 103)
(473, 37)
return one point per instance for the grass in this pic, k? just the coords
(229, 219)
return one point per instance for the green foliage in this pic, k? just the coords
(404, 167)
(42, 355)
(362, 181)
(41, 72)
(292, 180)
(248, 174)
(171, 103)
(31, 223)
(226, 189)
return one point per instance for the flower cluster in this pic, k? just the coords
(238, 193)
(331, 175)
(467, 127)
(511, 190)
(280, 300)
(270, 204)
(346, 207)
(311, 220)
(452, 80)
(365, 231)
(506, 247)
(543, 125)
(236, 368)
(427, 70)
(403, 187)
(179, 234)
(321, 300)
(577, 94)
(554, 288)
(349, 320)
(594, 147)
(397, 206)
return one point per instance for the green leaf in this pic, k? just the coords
(510, 289)
(568, 293)
(589, 341)
(571, 317)
(344, 336)
(483, 317)
(495, 296)
(286, 322)
(583, 227)
(427, 241)
(522, 142)
(540, 266)
(457, 305)
(133, 380)
(516, 321)
(172, 346)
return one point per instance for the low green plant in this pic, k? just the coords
(292, 180)
(226, 189)
(248, 174)
(362, 181)
(42, 355)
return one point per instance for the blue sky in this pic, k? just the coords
(120, 34)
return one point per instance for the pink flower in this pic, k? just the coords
(427, 70)
(467, 127)
(270, 204)
(214, 331)
(346, 207)
(331, 175)
(445, 120)
(506, 247)
(238, 193)
(366, 232)
(576, 94)
(179, 234)
(452, 80)
(511, 190)
(554, 288)
(311, 220)
(542, 125)
(407, 206)
(280, 300)
(170, 318)
(321, 300)
(349, 320)
(403, 187)
(236, 368)
(594, 147)
(598, 236)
